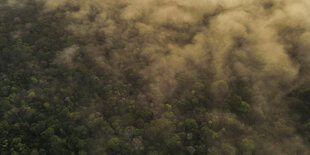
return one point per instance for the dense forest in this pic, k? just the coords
(154, 77)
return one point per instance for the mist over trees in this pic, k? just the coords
(155, 77)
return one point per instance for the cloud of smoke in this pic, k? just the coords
(67, 55)
(215, 40)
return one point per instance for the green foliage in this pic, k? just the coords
(244, 107)
(247, 146)
(82, 152)
(174, 143)
(207, 135)
(238, 105)
(155, 130)
(114, 144)
(49, 132)
(190, 125)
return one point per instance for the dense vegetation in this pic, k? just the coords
(49, 107)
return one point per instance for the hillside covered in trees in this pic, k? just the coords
(154, 77)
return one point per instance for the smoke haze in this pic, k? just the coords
(176, 48)
(210, 40)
